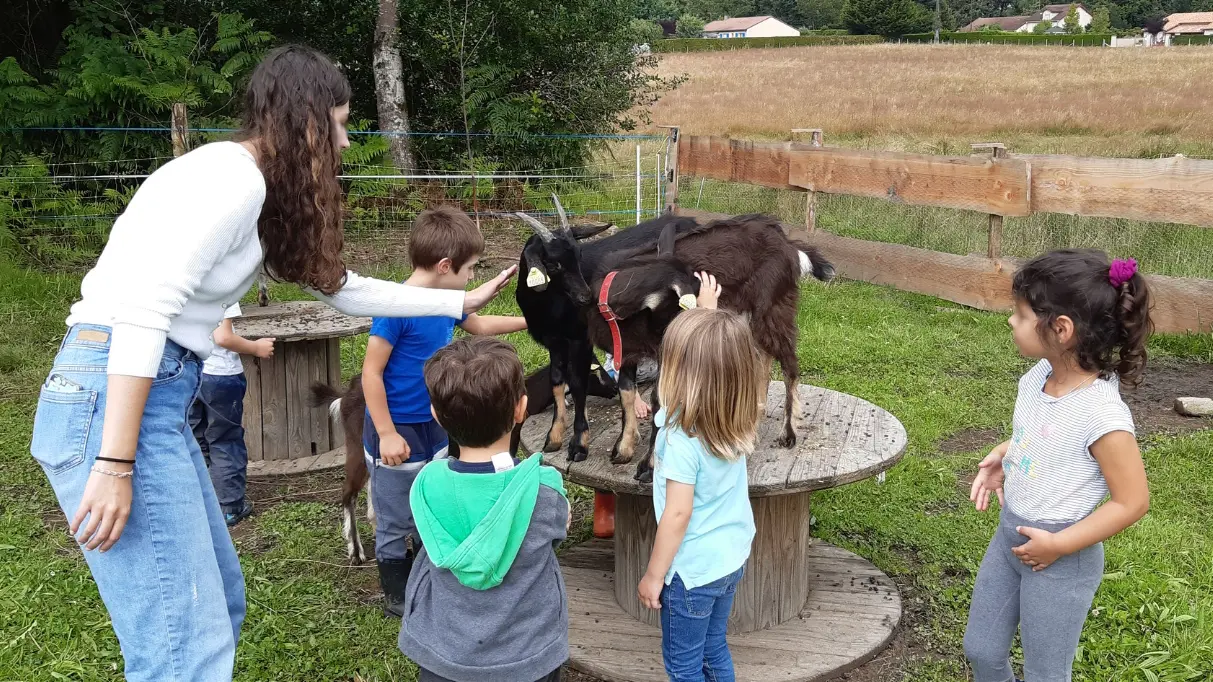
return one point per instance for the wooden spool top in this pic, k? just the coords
(297, 321)
(842, 439)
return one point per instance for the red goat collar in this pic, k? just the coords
(609, 316)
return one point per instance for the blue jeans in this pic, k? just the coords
(172, 582)
(216, 419)
(693, 626)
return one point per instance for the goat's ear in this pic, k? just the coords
(586, 231)
(665, 242)
(536, 273)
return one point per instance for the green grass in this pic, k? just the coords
(939, 367)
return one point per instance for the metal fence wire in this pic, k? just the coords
(60, 213)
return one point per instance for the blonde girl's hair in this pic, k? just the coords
(711, 380)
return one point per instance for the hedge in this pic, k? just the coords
(1067, 40)
(1192, 40)
(714, 44)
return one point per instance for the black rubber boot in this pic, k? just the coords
(393, 578)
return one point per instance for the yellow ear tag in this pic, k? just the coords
(687, 301)
(593, 368)
(536, 277)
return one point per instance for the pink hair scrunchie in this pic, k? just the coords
(1122, 271)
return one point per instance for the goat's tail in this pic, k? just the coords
(812, 262)
(323, 394)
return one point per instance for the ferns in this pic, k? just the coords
(108, 78)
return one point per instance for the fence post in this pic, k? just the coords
(180, 130)
(671, 169)
(994, 244)
(639, 177)
(816, 139)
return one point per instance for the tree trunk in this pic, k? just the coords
(389, 86)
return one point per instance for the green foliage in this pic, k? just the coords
(818, 14)
(1071, 21)
(889, 18)
(1101, 20)
(1004, 38)
(519, 70)
(719, 44)
(110, 78)
(1192, 40)
(1042, 27)
(645, 31)
(44, 224)
(689, 26)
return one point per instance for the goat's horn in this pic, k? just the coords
(564, 219)
(540, 229)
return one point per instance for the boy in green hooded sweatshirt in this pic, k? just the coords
(485, 601)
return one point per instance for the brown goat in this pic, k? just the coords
(758, 267)
(351, 406)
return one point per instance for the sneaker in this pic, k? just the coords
(232, 518)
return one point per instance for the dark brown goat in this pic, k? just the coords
(758, 268)
(351, 406)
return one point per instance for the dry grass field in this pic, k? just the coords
(937, 99)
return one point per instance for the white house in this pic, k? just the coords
(748, 27)
(1054, 15)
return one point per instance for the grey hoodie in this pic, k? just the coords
(486, 600)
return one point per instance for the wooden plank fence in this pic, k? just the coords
(1175, 190)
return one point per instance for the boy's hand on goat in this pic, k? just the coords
(393, 450)
(265, 348)
(709, 290)
(649, 591)
(480, 296)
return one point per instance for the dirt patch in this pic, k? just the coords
(1153, 402)
(971, 440)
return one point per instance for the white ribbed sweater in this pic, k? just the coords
(186, 248)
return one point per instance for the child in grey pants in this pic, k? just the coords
(1072, 446)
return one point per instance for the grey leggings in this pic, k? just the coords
(1049, 607)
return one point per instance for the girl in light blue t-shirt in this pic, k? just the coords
(711, 382)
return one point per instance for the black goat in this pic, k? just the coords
(551, 301)
(758, 268)
(351, 406)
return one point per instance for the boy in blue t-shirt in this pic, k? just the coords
(399, 432)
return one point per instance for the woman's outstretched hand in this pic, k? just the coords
(479, 297)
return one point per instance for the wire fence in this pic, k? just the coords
(60, 213)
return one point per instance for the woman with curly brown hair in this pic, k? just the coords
(111, 430)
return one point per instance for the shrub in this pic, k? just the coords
(718, 44)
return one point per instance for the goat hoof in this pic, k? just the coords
(617, 458)
(645, 476)
(787, 440)
(579, 456)
(550, 446)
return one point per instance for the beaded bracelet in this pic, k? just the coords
(115, 474)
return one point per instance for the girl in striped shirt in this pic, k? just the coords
(1073, 444)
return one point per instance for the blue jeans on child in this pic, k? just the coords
(216, 419)
(395, 528)
(693, 626)
(172, 582)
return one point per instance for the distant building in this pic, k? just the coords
(1054, 15)
(1189, 24)
(748, 27)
